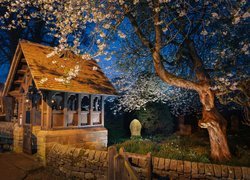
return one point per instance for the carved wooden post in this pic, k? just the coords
(111, 168)
(49, 113)
(65, 109)
(102, 113)
(79, 109)
(91, 110)
(42, 111)
(23, 110)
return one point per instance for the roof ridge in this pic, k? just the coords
(35, 43)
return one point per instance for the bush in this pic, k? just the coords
(156, 119)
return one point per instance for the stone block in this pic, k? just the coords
(217, 170)
(155, 162)
(103, 156)
(230, 172)
(167, 164)
(161, 164)
(180, 166)
(173, 165)
(237, 172)
(224, 171)
(194, 168)
(201, 168)
(91, 154)
(89, 176)
(187, 166)
(245, 172)
(209, 170)
(97, 155)
(78, 174)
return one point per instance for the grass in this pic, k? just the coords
(192, 148)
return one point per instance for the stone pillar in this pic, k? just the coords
(18, 138)
(41, 146)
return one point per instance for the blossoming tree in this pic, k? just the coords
(199, 35)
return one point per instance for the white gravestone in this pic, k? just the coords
(135, 128)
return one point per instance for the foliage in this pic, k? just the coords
(98, 29)
(148, 88)
(192, 148)
(156, 119)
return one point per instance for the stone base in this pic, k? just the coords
(91, 138)
(18, 139)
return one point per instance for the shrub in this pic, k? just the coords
(156, 119)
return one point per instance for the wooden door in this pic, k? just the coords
(27, 138)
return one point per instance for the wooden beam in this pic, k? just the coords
(12, 70)
(19, 81)
(23, 60)
(21, 71)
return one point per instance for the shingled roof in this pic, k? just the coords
(49, 72)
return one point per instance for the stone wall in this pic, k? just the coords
(185, 169)
(77, 163)
(92, 164)
(6, 129)
(88, 138)
(18, 139)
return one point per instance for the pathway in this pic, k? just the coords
(17, 166)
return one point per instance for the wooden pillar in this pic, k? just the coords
(49, 112)
(20, 110)
(42, 111)
(23, 110)
(102, 110)
(65, 109)
(91, 110)
(79, 109)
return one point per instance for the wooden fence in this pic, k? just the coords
(121, 168)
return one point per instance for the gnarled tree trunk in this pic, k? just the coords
(212, 120)
(216, 125)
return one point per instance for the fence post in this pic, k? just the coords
(150, 169)
(111, 168)
(119, 162)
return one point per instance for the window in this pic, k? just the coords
(72, 103)
(57, 101)
(85, 103)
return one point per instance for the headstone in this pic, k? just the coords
(135, 128)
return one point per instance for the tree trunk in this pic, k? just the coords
(212, 120)
(216, 125)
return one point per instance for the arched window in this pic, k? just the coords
(72, 103)
(57, 101)
(97, 104)
(85, 103)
